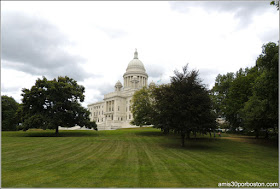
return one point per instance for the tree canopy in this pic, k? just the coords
(141, 107)
(9, 109)
(183, 106)
(250, 98)
(53, 103)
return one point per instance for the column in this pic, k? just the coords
(113, 105)
(146, 83)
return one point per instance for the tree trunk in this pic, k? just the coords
(214, 134)
(188, 134)
(210, 134)
(266, 134)
(183, 139)
(56, 130)
(166, 131)
(257, 134)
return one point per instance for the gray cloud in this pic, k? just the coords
(208, 76)
(105, 88)
(9, 89)
(154, 70)
(243, 10)
(269, 35)
(112, 33)
(34, 46)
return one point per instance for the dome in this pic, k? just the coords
(135, 65)
(118, 84)
(152, 84)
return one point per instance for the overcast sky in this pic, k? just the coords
(93, 42)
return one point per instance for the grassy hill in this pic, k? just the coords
(141, 157)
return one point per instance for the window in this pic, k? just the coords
(118, 108)
(112, 117)
(129, 116)
(129, 108)
(102, 112)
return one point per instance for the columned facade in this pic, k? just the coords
(115, 110)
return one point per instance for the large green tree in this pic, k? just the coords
(184, 105)
(9, 109)
(220, 92)
(53, 103)
(249, 98)
(163, 110)
(238, 94)
(262, 108)
(141, 107)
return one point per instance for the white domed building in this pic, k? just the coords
(115, 110)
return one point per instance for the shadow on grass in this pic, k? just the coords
(272, 142)
(51, 133)
(192, 146)
(149, 133)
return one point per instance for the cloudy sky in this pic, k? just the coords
(93, 42)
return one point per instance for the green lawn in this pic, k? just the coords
(141, 157)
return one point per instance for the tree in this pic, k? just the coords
(262, 108)
(255, 114)
(238, 94)
(163, 110)
(184, 105)
(141, 107)
(220, 91)
(53, 103)
(9, 108)
(192, 104)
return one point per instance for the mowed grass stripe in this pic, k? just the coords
(177, 168)
(43, 149)
(73, 172)
(30, 158)
(141, 157)
(33, 166)
(161, 170)
(57, 162)
(199, 171)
